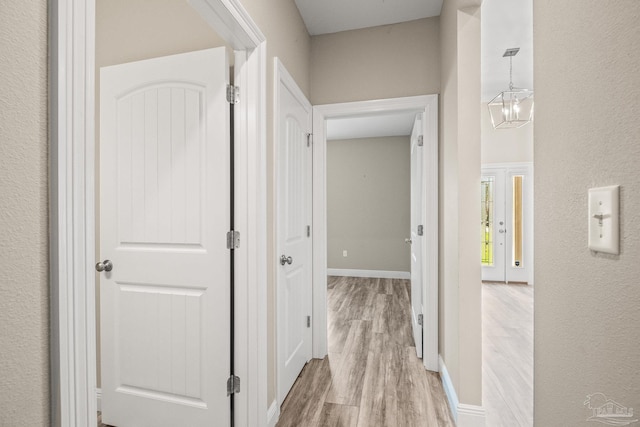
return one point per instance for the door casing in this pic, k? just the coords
(72, 210)
(428, 104)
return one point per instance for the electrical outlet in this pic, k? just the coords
(344, 253)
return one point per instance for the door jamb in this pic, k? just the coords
(72, 211)
(428, 103)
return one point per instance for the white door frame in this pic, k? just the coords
(72, 210)
(429, 104)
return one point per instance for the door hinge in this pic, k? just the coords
(420, 230)
(233, 385)
(420, 319)
(308, 231)
(309, 139)
(233, 94)
(308, 321)
(233, 239)
(420, 141)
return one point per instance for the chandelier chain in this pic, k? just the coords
(511, 73)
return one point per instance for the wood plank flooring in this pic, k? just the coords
(507, 348)
(372, 376)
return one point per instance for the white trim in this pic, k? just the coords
(382, 274)
(273, 414)
(428, 104)
(471, 416)
(514, 165)
(72, 115)
(72, 118)
(449, 389)
(99, 399)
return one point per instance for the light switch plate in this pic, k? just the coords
(604, 219)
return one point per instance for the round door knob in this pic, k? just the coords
(285, 260)
(105, 265)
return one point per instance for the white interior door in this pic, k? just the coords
(294, 263)
(416, 240)
(164, 214)
(507, 224)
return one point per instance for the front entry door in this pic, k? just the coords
(294, 199)
(164, 215)
(506, 224)
(416, 240)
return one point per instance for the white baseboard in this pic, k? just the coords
(449, 389)
(382, 274)
(464, 415)
(273, 414)
(99, 398)
(471, 416)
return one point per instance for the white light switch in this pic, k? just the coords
(604, 219)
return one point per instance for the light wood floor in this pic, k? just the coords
(371, 376)
(507, 347)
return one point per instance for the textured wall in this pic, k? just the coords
(459, 270)
(369, 203)
(24, 354)
(505, 145)
(587, 134)
(375, 63)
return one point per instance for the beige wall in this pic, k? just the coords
(24, 292)
(587, 133)
(504, 145)
(459, 270)
(131, 30)
(375, 63)
(368, 203)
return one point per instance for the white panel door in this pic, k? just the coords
(164, 214)
(294, 263)
(416, 239)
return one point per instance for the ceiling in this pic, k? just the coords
(371, 126)
(505, 24)
(331, 16)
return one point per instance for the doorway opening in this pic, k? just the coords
(380, 297)
(73, 358)
(323, 115)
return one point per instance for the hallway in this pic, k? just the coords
(371, 376)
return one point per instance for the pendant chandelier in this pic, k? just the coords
(512, 108)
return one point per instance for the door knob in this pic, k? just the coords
(105, 265)
(408, 241)
(285, 260)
